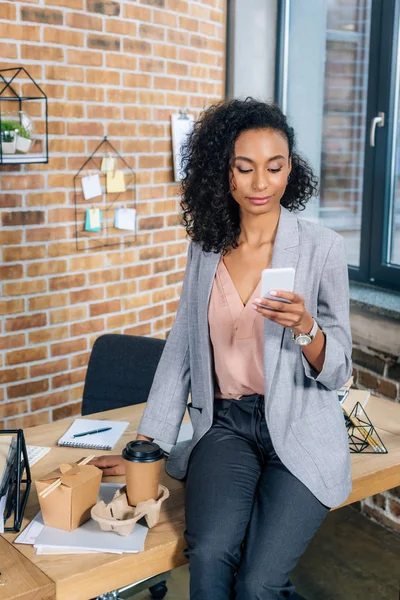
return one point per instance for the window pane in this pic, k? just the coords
(394, 211)
(344, 120)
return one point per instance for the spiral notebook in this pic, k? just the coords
(104, 440)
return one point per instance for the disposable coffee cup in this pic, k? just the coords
(142, 468)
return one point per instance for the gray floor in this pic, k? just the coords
(350, 558)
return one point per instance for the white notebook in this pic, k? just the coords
(104, 440)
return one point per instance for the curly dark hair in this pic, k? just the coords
(210, 214)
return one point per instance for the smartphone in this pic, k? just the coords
(277, 279)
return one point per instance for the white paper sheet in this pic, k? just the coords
(88, 537)
(91, 186)
(180, 127)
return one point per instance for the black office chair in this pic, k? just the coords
(120, 373)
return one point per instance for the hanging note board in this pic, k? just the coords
(181, 126)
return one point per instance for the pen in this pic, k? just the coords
(91, 432)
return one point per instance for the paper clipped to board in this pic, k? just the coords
(91, 186)
(181, 126)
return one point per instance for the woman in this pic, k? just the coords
(269, 455)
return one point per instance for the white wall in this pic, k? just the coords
(251, 48)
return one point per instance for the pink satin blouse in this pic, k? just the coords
(237, 337)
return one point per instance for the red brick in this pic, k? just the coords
(19, 32)
(101, 308)
(47, 335)
(39, 52)
(151, 313)
(85, 327)
(26, 322)
(29, 217)
(49, 301)
(143, 329)
(26, 355)
(139, 13)
(13, 408)
(10, 237)
(135, 301)
(8, 307)
(80, 21)
(50, 400)
(11, 272)
(76, 4)
(87, 295)
(55, 366)
(46, 198)
(42, 15)
(11, 375)
(80, 360)
(60, 73)
(118, 321)
(163, 265)
(68, 378)
(89, 129)
(27, 389)
(151, 283)
(22, 182)
(104, 276)
(69, 410)
(85, 58)
(104, 42)
(106, 76)
(104, 7)
(120, 289)
(39, 418)
(67, 281)
(151, 32)
(12, 341)
(21, 288)
(67, 37)
(68, 347)
(8, 11)
(68, 315)
(10, 200)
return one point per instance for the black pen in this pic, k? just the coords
(91, 432)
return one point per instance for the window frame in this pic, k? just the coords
(385, 15)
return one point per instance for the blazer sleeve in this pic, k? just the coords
(169, 392)
(333, 317)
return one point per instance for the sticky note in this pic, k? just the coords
(125, 218)
(115, 182)
(91, 186)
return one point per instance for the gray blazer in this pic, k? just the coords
(302, 410)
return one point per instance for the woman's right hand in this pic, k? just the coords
(113, 464)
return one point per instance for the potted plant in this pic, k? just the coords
(9, 136)
(24, 140)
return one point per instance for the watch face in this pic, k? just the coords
(303, 339)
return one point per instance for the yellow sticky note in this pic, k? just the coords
(115, 181)
(107, 164)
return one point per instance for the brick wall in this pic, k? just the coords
(116, 68)
(377, 369)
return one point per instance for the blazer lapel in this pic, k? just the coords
(208, 267)
(285, 254)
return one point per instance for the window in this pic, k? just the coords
(338, 80)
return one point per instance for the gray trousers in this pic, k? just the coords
(248, 519)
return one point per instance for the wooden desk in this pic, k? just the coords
(85, 576)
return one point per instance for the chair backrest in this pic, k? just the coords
(120, 372)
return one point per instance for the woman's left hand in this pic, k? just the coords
(291, 314)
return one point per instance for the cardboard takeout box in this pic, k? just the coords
(68, 506)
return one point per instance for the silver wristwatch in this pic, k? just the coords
(303, 339)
